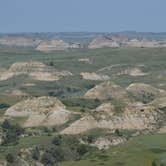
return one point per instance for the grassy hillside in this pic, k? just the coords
(141, 151)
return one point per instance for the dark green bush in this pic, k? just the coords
(82, 149)
(36, 154)
(48, 159)
(9, 158)
(11, 132)
(57, 140)
(2, 106)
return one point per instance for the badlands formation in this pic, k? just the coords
(131, 115)
(135, 116)
(115, 42)
(34, 70)
(48, 112)
(102, 41)
(42, 111)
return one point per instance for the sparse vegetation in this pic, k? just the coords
(45, 144)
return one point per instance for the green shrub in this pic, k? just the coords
(10, 137)
(11, 132)
(57, 140)
(82, 149)
(9, 158)
(36, 154)
(52, 156)
(2, 106)
(118, 133)
(6, 125)
(48, 159)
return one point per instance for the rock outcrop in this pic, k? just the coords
(107, 107)
(160, 103)
(35, 70)
(102, 42)
(135, 116)
(42, 111)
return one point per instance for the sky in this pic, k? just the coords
(82, 15)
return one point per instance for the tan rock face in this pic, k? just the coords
(102, 42)
(42, 111)
(55, 45)
(135, 116)
(105, 110)
(94, 76)
(107, 90)
(109, 107)
(160, 103)
(84, 124)
(35, 70)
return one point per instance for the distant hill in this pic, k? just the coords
(81, 38)
(87, 36)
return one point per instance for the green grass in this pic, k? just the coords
(18, 120)
(81, 104)
(27, 142)
(140, 151)
(153, 60)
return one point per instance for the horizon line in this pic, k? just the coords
(83, 32)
